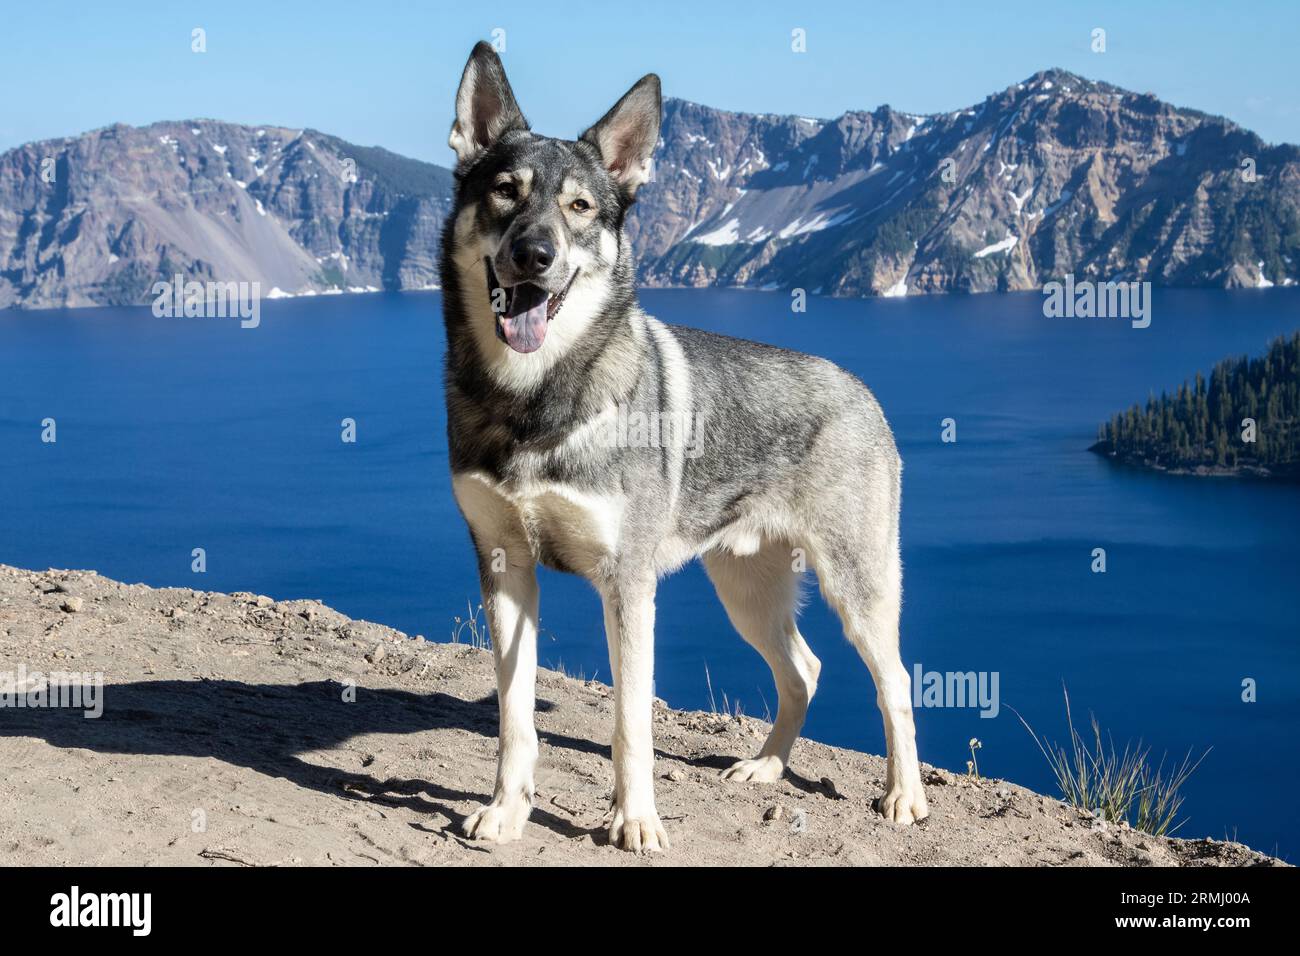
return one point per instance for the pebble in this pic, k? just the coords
(775, 812)
(675, 775)
(72, 605)
(377, 654)
(799, 822)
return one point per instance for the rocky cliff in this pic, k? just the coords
(233, 729)
(96, 219)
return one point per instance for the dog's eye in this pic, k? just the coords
(580, 205)
(506, 190)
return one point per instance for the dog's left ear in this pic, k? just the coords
(627, 134)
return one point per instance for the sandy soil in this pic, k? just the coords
(226, 740)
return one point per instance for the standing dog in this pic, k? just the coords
(559, 391)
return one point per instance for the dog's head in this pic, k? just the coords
(538, 221)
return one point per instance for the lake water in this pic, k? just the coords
(182, 433)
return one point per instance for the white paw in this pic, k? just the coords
(758, 770)
(904, 803)
(499, 821)
(639, 834)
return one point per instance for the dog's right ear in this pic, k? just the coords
(485, 105)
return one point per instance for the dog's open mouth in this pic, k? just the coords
(528, 311)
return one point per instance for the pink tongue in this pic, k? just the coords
(524, 332)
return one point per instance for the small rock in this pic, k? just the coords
(377, 654)
(937, 778)
(774, 812)
(799, 822)
(675, 775)
(263, 601)
(72, 605)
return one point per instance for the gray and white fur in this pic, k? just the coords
(790, 461)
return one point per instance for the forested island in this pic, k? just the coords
(1243, 420)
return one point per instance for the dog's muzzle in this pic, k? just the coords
(525, 312)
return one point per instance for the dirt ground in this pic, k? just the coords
(229, 737)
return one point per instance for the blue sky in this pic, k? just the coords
(384, 72)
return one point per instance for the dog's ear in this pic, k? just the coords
(485, 105)
(627, 134)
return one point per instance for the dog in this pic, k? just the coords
(790, 462)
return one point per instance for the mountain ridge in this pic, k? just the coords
(1148, 190)
(1053, 175)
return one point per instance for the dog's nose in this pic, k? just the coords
(532, 256)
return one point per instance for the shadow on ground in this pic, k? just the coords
(266, 727)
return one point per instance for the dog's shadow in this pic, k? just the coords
(266, 727)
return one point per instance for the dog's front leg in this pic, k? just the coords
(510, 600)
(629, 628)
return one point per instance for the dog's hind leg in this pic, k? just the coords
(760, 593)
(862, 580)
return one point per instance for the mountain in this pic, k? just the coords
(1055, 175)
(127, 206)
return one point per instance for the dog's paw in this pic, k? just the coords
(638, 834)
(903, 804)
(758, 770)
(499, 821)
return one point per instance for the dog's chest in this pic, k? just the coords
(558, 525)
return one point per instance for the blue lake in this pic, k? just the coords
(182, 433)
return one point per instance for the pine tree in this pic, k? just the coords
(1201, 422)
